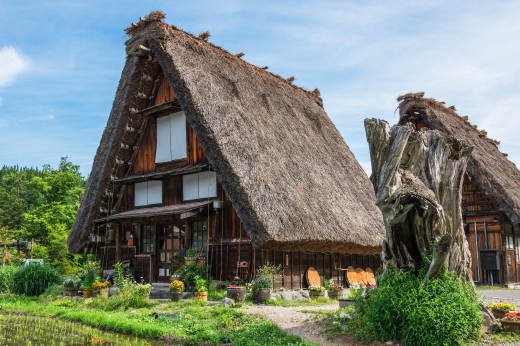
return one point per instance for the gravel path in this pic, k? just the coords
(293, 321)
(498, 296)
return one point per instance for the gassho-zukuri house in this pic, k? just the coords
(490, 191)
(205, 150)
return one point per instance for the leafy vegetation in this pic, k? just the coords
(446, 311)
(40, 205)
(6, 274)
(33, 279)
(197, 322)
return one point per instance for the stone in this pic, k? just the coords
(228, 302)
(335, 322)
(343, 327)
(488, 325)
(291, 295)
(132, 312)
(304, 293)
(66, 297)
(281, 289)
(389, 343)
(344, 315)
(272, 298)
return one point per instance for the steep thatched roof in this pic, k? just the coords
(498, 176)
(292, 179)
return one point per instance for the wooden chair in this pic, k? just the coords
(243, 270)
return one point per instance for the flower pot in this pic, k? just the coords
(88, 293)
(343, 303)
(510, 326)
(259, 296)
(175, 278)
(202, 296)
(104, 292)
(238, 294)
(175, 296)
(316, 295)
(71, 291)
(499, 313)
(335, 295)
(190, 260)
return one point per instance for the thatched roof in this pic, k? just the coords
(498, 176)
(292, 179)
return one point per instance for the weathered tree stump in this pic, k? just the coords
(417, 176)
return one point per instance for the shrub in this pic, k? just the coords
(33, 279)
(72, 283)
(6, 275)
(445, 311)
(190, 271)
(262, 283)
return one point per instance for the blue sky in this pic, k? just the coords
(60, 63)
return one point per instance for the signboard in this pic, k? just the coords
(490, 259)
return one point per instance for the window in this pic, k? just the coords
(148, 236)
(510, 242)
(149, 192)
(195, 186)
(199, 230)
(517, 250)
(171, 138)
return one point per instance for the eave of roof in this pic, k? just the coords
(161, 174)
(155, 211)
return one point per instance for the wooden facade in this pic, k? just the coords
(487, 227)
(224, 241)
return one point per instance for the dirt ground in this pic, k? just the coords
(293, 321)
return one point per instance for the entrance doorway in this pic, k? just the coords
(170, 250)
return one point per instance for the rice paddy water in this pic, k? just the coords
(40, 331)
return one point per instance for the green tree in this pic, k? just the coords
(51, 217)
(13, 201)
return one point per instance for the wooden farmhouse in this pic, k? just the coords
(205, 150)
(491, 189)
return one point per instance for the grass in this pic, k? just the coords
(483, 288)
(198, 322)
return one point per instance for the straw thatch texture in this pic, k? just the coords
(290, 175)
(498, 176)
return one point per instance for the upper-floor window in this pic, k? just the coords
(149, 192)
(199, 185)
(171, 138)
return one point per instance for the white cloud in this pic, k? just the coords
(50, 117)
(12, 63)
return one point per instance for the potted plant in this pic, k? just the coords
(71, 286)
(316, 291)
(500, 310)
(191, 256)
(101, 288)
(261, 289)
(201, 289)
(511, 322)
(335, 292)
(88, 280)
(237, 292)
(176, 289)
(176, 274)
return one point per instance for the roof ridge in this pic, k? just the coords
(158, 16)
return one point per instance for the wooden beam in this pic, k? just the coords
(482, 212)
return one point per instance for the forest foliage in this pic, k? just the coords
(40, 205)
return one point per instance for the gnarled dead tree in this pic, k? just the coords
(417, 176)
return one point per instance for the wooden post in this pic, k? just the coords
(118, 243)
